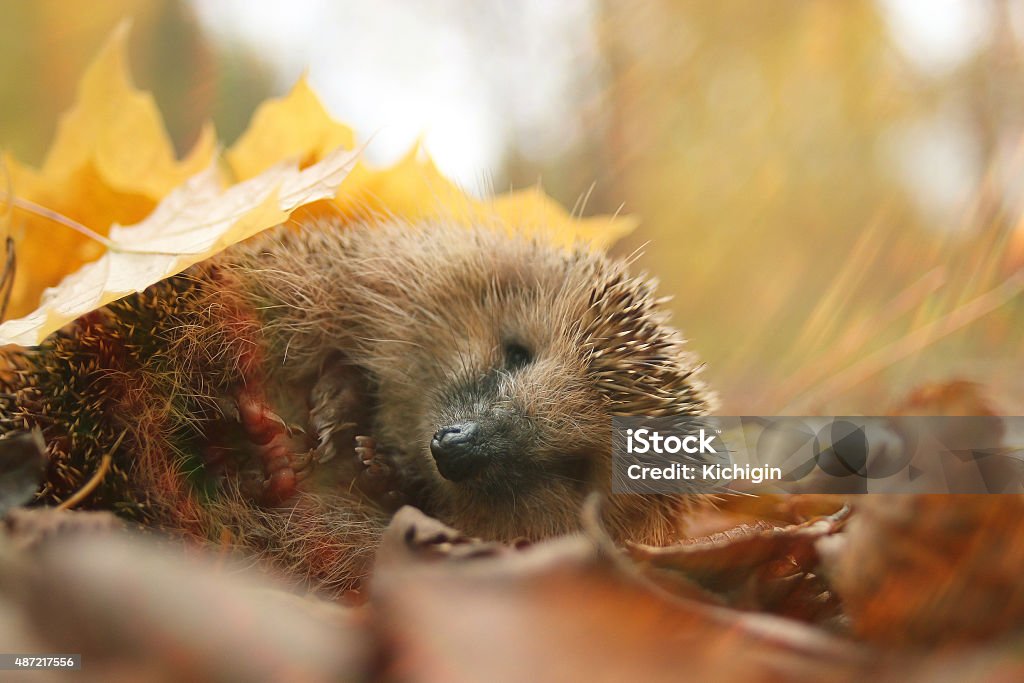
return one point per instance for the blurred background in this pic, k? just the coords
(832, 192)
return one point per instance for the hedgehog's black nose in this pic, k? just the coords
(456, 449)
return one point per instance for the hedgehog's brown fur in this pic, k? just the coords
(423, 314)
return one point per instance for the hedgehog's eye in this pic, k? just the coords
(517, 356)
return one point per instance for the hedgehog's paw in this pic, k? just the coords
(378, 476)
(284, 471)
(282, 451)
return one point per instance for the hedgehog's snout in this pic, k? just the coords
(458, 450)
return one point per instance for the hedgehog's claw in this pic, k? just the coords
(326, 446)
(303, 464)
(378, 476)
(339, 403)
(366, 449)
(295, 429)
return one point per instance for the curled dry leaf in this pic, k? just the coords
(731, 510)
(755, 567)
(412, 535)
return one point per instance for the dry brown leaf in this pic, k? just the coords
(922, 571)
(754, 567)
(730, 511)
(412, 535)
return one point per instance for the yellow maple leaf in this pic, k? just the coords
(412, 188)
(194, 222)
(111, 162)
(119, 129)
(294, 127)
(533, 211)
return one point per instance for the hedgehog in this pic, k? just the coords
(285, 397)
